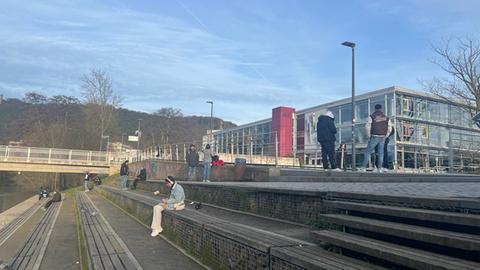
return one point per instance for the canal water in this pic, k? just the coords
(17, 187)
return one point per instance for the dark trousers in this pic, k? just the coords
(135, 182)
(385, 154)
(49, 203)
(328, 150)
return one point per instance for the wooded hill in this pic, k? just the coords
(64, 122)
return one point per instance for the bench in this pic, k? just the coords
(30, 254)
(105, 250)
(393, 253)
(9, 229)
(444, 238)
(219, 242)
(471, 220)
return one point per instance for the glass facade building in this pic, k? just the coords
(431, 134)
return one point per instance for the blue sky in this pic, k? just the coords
(247, 56)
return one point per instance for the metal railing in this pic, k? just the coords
(54, 156)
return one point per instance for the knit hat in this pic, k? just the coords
(170, 180)
(329, 114)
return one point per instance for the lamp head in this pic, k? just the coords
(349, 44)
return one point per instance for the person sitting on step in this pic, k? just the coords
(175, 201)
(55, 198)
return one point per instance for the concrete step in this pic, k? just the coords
(225, 239)
(391, 174)
(314, 257)
(395, 254)
(369, 178)
(443, 217)
(450, 204)
(443, 238)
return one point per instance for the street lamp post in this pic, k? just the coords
(139, 134)
(211, 119)
(352, 45)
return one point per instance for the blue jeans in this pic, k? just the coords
(192, 171)
(206, 170)
(123, 181)
(372, 143)
(85, 184)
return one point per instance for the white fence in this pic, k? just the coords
(53, 156)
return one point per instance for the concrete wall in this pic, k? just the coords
(159, 169)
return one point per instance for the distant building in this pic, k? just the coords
(430, 133)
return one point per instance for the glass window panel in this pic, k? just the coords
(389, 104)
(360, 134)
(346, 134)
(408, 131)
(438, 111)
(346, 114)
(336, 113)
(421, 109)
(361, 110)
(407, 106)
(399, 100)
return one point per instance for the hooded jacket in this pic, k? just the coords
(326, 129)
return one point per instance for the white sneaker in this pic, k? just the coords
(337, 170)
(87, 190)
(383, 170)
(362, 169)
(376, 170)
(155, 232)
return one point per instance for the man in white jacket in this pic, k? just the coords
(378, 127)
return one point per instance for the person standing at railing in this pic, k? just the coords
(326, 131)
(124, 175)
(192, 162)
(378, 127)
(207, 162)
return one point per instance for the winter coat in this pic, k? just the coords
(124, 169)
(192, 158)
(326, 129)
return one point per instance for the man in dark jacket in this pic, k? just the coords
(326, 131)
(142, 176)
(192, 162)
(124, 175)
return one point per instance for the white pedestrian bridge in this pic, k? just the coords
(35, 159)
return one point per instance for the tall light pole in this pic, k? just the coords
(211, 118)
(139, 134)
(352, 45)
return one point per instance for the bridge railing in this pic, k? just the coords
(53, 155)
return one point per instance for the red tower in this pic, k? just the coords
(282, 125)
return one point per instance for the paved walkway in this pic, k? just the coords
(12, 213)
(471, 190)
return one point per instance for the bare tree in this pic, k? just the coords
(169, 112)
(461, 61)
(101, 102)
(34, 98)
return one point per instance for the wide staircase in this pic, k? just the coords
(354, 231)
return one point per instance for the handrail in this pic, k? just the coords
(54, 155)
